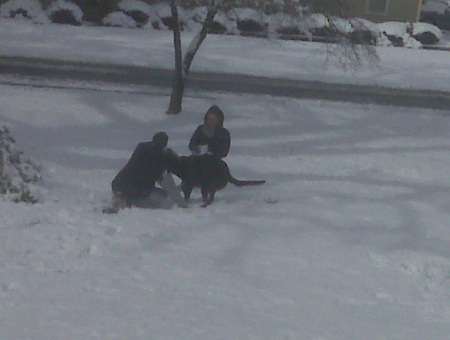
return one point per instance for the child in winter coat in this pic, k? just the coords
(211, 137)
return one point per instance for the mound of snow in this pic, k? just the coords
(26, 9)
(286, 24)
(221, 23)
(317, 20)
(64, 12)
(119, 19)
(395, 28)
(399, 33)
(247, 14)
(248, 20)
(141, 12)
(163, 15)
(423, 27)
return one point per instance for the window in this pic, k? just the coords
(377, 6)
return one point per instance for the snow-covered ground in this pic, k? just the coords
(348, 239)
(398, 67)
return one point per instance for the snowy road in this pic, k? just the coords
(48, 69)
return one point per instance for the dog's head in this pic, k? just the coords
(174, 162)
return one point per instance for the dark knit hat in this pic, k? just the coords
(160, 139)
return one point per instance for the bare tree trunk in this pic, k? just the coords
(176, 98)
(182, 66)
(198, 40)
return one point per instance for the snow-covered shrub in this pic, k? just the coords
(221, 21)
(19, 177)
(64, 12)
(141, 12)
(25, 9)
(284, 24)
(319, 26)
(364, 32)
(399, 34)
(119, 19)
(249, 20)
(164, 14)
(220, 25)
(426, 33)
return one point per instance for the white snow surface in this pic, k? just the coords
(32, 7)
(225, 54)
(119, 19)
(348, 239)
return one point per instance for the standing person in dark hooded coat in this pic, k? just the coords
(211, 136)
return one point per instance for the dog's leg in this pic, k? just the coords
(209, 199)
(204, 194)
(187, 190)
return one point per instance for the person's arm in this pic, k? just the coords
(196, 140)
(221, 144)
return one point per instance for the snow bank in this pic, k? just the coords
(119, 19)
(26, 9)
(63, 5)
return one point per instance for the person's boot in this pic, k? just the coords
(118, 202)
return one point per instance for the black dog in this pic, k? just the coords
(205, 171)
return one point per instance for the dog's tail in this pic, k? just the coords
(241, 183)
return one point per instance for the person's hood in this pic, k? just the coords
(214, 109)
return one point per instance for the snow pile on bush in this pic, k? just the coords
(19, 177)
(164, 14)
(285, 24)
(24, 9)
(119, 19)
(141, 12)
(64, 12)
(221, 23)
(241, 20)
(399, 34)
(411, 35)
(426, 33)
(249, 20)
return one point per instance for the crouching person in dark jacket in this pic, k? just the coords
(134, 185)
